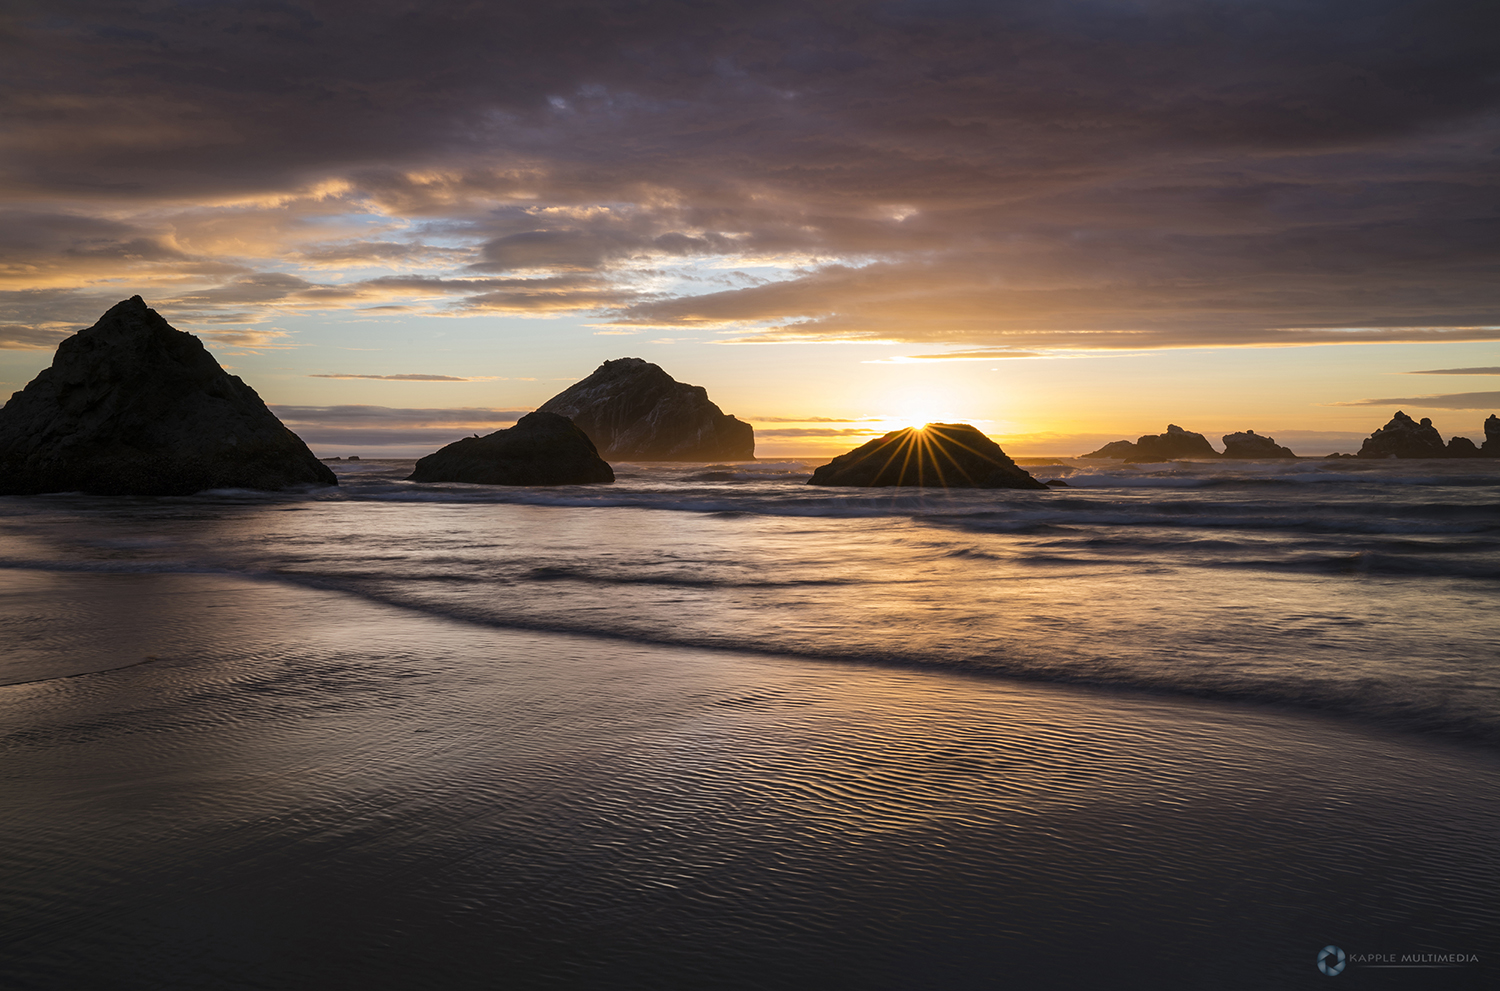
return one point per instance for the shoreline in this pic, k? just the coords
(1481, 739)
(307, 784)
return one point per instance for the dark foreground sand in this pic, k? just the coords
(304, 790)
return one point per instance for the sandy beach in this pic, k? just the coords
(307, 790)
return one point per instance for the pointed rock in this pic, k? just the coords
(634, 411)
(132, 406)
(1249, 444)
(1403, 437)
(1491, 448)
(945, 455)
(541, 449)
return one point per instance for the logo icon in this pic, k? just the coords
(1331, 960)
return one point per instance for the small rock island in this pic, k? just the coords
(1174, 444)
(133, 406)
(1178, 444)
(946, 455)
(1249, 444)
(634, 411)
(541, 449)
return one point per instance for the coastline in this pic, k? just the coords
(309, 788)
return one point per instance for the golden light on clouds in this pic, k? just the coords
(504, 186)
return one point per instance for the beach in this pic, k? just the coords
(236, 757)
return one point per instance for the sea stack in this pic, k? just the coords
(132, 406)
(1114, 449)
(1249, 444)
(541, 449)
(634, 411)
(945, 455)
(1173, 445)
(1491, 448)
(1403, 437)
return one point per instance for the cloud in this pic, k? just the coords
(1459, 371)
(1041, 174)
(1458, 400)
(413, 377)
(388, 430)
(819, 432)
(255, 340)
(984, 354)
(350, 416)
(812, 419)
(14, 337)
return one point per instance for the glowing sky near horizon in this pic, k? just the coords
(1065, 222)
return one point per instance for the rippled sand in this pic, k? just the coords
(308, 790)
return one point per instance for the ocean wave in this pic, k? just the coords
(1394, 705)
(552, 573)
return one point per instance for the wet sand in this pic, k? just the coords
(307, 790)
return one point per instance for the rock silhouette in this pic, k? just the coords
(132, 406)
(1175, 443)
(1491, 447)
(1403, 437)
(1114, 449)
(1249, 444)
(541, 449)
(947, 455)
(634, 411)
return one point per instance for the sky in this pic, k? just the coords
(1064, 222)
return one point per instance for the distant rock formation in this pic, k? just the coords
(1461, 447)
(1114, 449)
(132, 406)
(1249, 444)
(947, 455)
(541, 449)
(1491, 448)
(1403, 437)
(634, 411)
(1174, 444)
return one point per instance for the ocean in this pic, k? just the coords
(711, 726)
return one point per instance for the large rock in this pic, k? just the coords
(1491, 448)
(1176, 443)
(950, 455)
(634, 411)
(132, 406)
(1461, 447)
(1114, 449)
(541, 449)
(1249, 444)
(1403, 437)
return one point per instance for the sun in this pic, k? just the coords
(919, 414)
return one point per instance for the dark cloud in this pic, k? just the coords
(20, 338)
(1457, 400)
(1030, 173)
(1492, 370)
